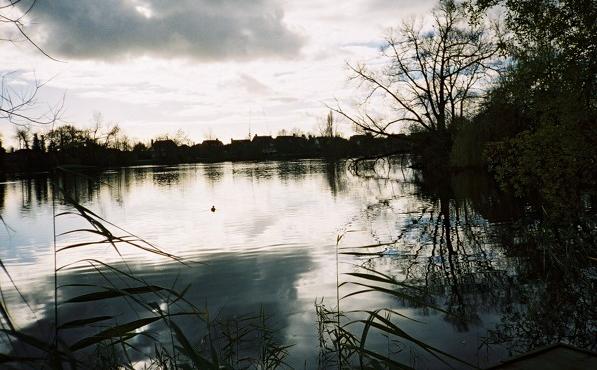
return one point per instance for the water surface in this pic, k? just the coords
(271, 246)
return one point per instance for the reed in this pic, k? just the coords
(106, 340)
(343, 335)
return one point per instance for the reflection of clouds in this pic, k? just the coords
(230, 285)
(257, 225)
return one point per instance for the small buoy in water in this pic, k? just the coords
(213, 208)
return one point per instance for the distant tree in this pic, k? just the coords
(296, 132)
(36, 145)
(23, 136)
(97, 124)
(208, 134)
(328, 127)
(42, 143)
(140, 147)
(433, 76)
(112, 136)
(67, 137)
(123, 143)
(181, 138)
(106, 135)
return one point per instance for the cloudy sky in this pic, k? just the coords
(208, 67)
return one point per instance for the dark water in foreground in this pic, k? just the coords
(271, 247)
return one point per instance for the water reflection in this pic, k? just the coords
(256, 249)
(516, 280)
(498, 269)
(225, 285)
(214, 172)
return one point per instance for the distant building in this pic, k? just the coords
(291, 145)
(240, 142)
(164, 150)
(331, 146)
(211, 149)
(241, 149)
(362, 140)
(264, 144)
(212, 144)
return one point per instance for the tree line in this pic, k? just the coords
(110, 146)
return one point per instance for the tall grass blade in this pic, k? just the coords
(84, 322)
(114, 293)
(189, 351)
(113, 332)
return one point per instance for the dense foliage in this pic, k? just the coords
(537, 126)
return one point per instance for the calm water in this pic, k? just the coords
(271, 245)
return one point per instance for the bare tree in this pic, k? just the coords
(297, 132)
(106, 135)
(18, 106)
(328, 126)
(208, 134)
(23, 136)
(123, 143)
(12, 15)
(181, 138)
(97, 122)
(433, 75)
(111, 137)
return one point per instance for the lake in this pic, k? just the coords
(285, 235)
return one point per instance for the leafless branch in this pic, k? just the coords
(20, 106)
(432, 76)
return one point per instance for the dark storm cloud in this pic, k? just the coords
(200, 29)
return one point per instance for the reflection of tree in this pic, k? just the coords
(166, 177)
(335, 173)
(293, 170)
(26, 194)
(213, 172)
(87, 186)
(482, 267)
(556, 287)
(2, 197)
(475, 251)
(83, 187)
(41, 185)
(553, 311)
(458, 262)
